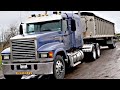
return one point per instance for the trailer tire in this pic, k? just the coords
(98, 52)
(13, 77)
(112, 46)
(59, 67)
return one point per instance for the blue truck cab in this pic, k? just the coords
(46, 45)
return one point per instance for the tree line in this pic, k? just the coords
(12, 31)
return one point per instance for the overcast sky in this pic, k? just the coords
(15, 17)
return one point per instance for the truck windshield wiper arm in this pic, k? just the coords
(47, 30)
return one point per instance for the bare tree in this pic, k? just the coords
(2, 35)
(7, 34)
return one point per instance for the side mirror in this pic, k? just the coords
(21, 29)
(73, 25)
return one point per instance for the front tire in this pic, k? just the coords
(59, 67)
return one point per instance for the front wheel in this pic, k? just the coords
(13, 77)
(59, 68)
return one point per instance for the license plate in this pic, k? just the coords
(23, 73)
(23, 66)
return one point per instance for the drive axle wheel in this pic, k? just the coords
(93, 54)
(98, 52)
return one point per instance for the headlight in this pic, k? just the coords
(5, 57)
(44, 55)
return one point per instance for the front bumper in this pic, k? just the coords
(42, 68)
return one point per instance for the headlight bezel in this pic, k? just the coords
(45, 54)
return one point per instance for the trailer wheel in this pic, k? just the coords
(98, 52)
(13, 77)
(59, 68)
(112, 46)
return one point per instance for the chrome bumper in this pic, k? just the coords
(42, 68)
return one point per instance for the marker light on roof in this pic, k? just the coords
(39, 15)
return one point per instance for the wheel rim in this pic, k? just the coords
(94, 54)
(59, 68)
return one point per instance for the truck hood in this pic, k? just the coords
(37, 36)
(42, 38)
(47, 39)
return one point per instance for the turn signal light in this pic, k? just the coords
(50, 54)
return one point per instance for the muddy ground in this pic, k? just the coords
(105, 67)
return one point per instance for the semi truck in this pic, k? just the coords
(48, 44)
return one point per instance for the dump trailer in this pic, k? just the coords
(48, 44)
(98, 30)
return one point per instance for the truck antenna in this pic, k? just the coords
(79, 13)
(45, 12)
(72, 13)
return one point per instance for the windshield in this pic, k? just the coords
(44, 26)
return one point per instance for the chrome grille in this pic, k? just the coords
(23, 49)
